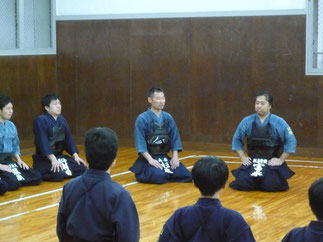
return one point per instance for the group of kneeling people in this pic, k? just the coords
(104, 210)
(95, 208)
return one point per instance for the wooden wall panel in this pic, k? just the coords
(25, 79)
(67, 73)
(210, 69)
(160, 57)
(101, 83)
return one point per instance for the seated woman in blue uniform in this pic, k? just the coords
(207, 220)
(270, 140)
(314, 231)
(12, 174)
(93, 207)
(52, 137)
(156, 134)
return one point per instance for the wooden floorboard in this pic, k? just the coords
(29, 214)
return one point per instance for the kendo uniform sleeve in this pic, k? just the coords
(240, 134)
(171, 231)
(40, 128)
(174, 133)
(9, 141)
(237, 228)
(288, 138)
(313, 232)
(126, 218)
(296, 235)
(61, 218)
(15, 143)
(140, 130)
(70, 145)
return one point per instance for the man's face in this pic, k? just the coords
(6, 112)
(157, 101)
(262, 106)
(54, 107)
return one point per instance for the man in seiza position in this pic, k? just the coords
(52, 137)
(12, 174)
(156, 134)
(270, 140)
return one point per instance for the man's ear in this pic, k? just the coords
(113, 163)
(46, 108)
(150, 100)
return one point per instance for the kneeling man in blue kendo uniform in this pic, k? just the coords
(156, 134)
(270, 140)
(207, 220)
(314, 231)
(12, 174)
(52, 137)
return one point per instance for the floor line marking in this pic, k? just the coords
(46, 207)
(126, 185)
(183, 158)
(31, 196)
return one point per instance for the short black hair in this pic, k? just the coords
(101, 147)
(153, 90)
(210, 175)
(315, 195)
(4, 100)
(268, 96)
(45, 101)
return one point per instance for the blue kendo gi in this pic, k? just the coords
(53, 137)
(312, 233)
(206, 221)
(148, 129)
(264, 141)
(9, 147)
(95, 208)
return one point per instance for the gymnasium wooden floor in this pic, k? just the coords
(29, 214)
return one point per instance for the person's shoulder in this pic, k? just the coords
(144, 115)
(167, 115)
(233, 215)
(183, 211)
(10, 124)
(277, 119)
(61, 118)
(248, 119)
(72, 183)
(296, 234)
(41, 118)
(11, 127)
(117, 189)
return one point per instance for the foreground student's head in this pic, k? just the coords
(315, 195)
(210, 175)
(101, 147)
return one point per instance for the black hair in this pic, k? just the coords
(101, 147)
(315, 195)
(268, 96)
(153, 90)
(4, 100)
(210, 175)
(45, 101)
